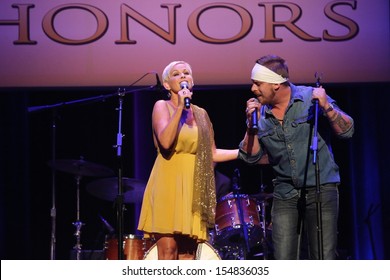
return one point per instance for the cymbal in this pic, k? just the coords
(261, 196)
(81, 167)
(107, 189)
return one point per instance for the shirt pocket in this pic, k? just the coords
(266, 132)
(301, 120)
(301, 130)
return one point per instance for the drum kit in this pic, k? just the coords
(241, 229)
(106, 189)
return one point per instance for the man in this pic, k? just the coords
(286, 117)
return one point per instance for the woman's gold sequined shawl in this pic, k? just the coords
(204, 197)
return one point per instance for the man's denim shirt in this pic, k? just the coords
(289, 145)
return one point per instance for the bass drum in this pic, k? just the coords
(204, 252)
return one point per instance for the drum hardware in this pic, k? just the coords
(107, 226)
(78, 224)
(236, 188)
(228, 236)
(131, 190)
(228, 224)
(263, 244)
(107, 189)
(262, 198)
(79, 168)
(232, 252)
(121, 93)
(235, 224)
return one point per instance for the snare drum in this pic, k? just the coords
(204, 252)
(229, 224)
(134, 247)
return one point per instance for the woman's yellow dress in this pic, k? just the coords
(167, 202)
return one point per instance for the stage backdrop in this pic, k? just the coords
(104, 43)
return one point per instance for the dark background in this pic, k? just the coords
(89, 130)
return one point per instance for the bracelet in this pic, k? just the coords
(331, 108)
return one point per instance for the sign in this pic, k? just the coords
(114, 43)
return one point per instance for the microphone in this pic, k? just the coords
(318, 77)
(254, 126)
(108, 227)
(158, 83)
(187, 100)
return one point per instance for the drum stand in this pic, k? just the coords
(236, 192)
(263, 225)
(78, 224)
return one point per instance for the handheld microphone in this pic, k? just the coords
(254, 126)
(187, 100)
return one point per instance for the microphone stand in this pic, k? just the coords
(53, 211)
(119, 198)
(314, 148)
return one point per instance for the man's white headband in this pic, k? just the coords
(263, 74)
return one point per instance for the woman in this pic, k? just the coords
(179, 200)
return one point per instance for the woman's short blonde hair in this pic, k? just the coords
(168, 68)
